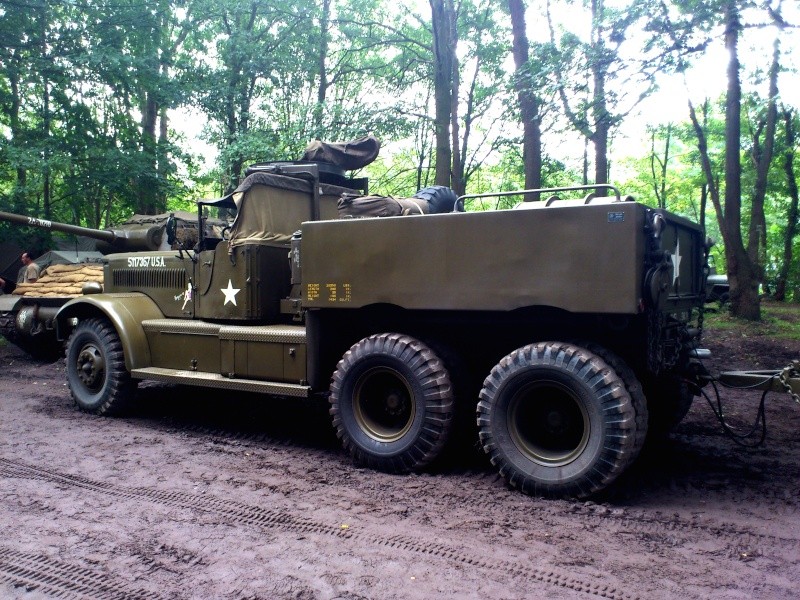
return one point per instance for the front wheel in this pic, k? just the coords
(391, 403)
(557, 420)
(96, 373)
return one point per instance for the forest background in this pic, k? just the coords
(115, 107)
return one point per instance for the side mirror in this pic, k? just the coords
(172, 230)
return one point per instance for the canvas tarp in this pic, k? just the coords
(345, 155)
(270, 208)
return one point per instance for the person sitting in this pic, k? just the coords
(30, 270)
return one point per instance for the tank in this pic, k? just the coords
(119, 240)
(27, 310)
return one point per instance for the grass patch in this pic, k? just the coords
(778, 320)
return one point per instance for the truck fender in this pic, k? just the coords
(126, 313)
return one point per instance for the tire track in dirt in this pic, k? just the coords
(590, 514)
(271, 519)
(39, 573)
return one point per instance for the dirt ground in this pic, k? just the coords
(203, 495)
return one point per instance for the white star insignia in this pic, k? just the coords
(676, 263)
(230, 293)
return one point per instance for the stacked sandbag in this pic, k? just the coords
(61, 281)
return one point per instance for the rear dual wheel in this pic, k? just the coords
(391, 403)
(558, 420)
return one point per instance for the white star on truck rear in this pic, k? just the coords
(676, 263)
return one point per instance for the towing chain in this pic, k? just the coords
(792, 371)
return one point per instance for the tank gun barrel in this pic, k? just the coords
(114, 240)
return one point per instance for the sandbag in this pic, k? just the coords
(61, 281)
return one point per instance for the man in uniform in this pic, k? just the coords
(30, 270)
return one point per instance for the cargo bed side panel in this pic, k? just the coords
(580, 259)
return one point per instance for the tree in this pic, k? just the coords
(744, 262)
(445, 86)
(528, 101)
(583, 70)
(742, 273)
(790, 124)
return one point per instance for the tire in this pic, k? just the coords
(635, 390)
(440, 199)
(558, 420)
(96, 373)
(462, 442)
(669, 399)
(391, 403)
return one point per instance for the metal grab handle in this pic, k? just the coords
(572, 188)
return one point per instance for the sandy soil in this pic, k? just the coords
(203, 495)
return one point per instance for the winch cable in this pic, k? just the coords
(739, 437)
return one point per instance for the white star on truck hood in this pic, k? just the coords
(676, 263)
(230, 293)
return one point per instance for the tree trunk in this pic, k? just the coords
(457, 180)
(17, 137)
(443, 21)
(528, 102)
(660, 189)
(322, 58)
(46, 119)
(146, 181)
(602, 127)
(600, 114)
(762, 157)
(792, 217)
(705, 162)
(742, 277)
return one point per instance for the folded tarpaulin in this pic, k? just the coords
(345, 155)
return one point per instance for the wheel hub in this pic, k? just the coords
(548, 423)
(383, 404)
(91, 366)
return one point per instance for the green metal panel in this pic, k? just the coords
(269, 352)
(584, 258)
(163, 276)
(184, 344)
(126, 312)
(246, 283)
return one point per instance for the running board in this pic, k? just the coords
(215, 380)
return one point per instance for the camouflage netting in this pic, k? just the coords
(62, 281)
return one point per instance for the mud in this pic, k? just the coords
(203, 495)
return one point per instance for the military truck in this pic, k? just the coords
(27, 315)
(566, 329)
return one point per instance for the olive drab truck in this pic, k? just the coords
(567, 329)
